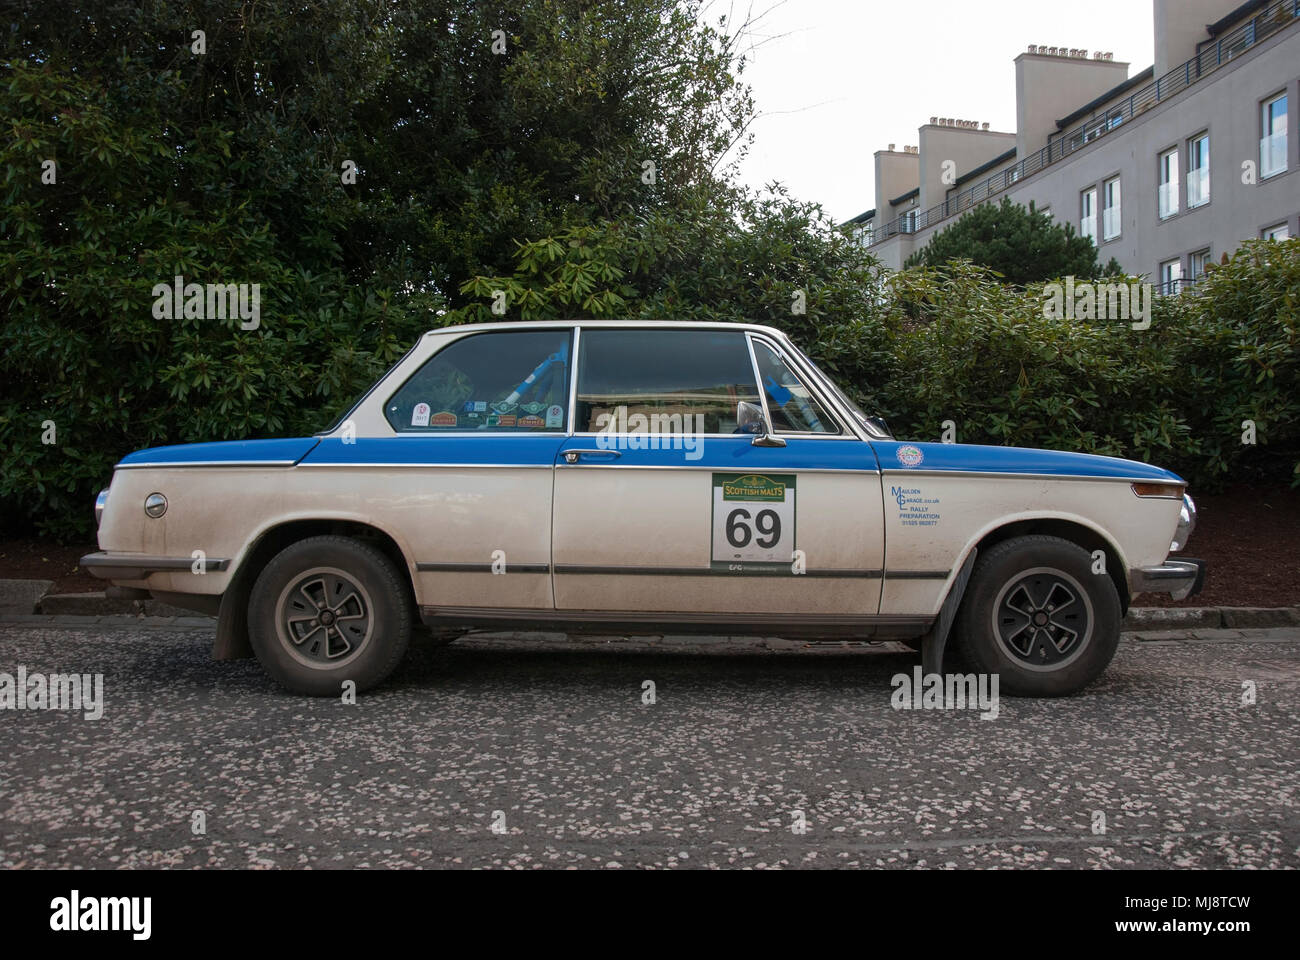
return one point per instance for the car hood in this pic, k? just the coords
(970, 458)
(270, 453)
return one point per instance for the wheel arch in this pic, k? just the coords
(1074, 530)
(232, 620)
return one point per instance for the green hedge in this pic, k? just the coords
(991, 359)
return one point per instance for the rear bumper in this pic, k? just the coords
(1179, 578)
(137, 566)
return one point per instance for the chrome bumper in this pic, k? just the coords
(1179, 578)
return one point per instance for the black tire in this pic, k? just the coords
(360, 633)
(1036, 615)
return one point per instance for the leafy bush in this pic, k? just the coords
(1022, 244)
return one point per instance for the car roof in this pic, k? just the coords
(595, 324)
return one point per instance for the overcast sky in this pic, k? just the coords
(849, 77)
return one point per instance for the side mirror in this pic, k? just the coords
(750, 419)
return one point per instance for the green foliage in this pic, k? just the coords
(1021, 244)
(224, 167)
(990, 358)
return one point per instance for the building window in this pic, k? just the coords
(1110, 214)
(1200, 260)
(1168, 192)
(1171, 275)
(1279, 231)
(1272, 146)
(1198, 171)
(1088, 214)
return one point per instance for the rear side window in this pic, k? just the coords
(513, 381)
(663, 381)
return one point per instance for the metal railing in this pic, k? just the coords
(1268, 22)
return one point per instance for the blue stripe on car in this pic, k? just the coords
(234, 451)
(969, 458)
(724, 453)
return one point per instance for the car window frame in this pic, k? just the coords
(809, 382)
(570, 372)
(573, 397)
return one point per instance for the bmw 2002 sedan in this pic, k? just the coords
(638, 477)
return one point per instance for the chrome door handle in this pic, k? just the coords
(573, 456)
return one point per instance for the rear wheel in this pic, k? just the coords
(1037, 615)
(326, 610)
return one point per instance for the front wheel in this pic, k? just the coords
(1036, 615)
(327, 610)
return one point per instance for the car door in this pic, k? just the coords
(465, 480)
(662, 507)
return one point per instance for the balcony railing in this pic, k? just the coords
(1198, 187)
(1273, 18)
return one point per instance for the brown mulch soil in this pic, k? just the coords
(1250, 536)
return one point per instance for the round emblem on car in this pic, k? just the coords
(910, 456)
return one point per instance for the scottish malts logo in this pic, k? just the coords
(910, 456)
(208, 301)
(753, 487)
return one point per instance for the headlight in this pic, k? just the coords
(1186, 524)
(101, 500)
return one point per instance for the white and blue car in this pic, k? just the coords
(638, 477)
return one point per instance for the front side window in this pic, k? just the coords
(1110, 210)
(792, 407)
(511, 382)
(1168, 192)
(1198, 171)
(1088, 215)
(1272, 145)
(663, 381)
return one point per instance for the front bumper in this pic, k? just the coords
(1178, 578)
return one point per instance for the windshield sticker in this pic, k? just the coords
(531, 421)
(533, 407)
(420, 415)
(910, 456)
(506, 420)
(504, 406)
(444, 418)
(555, 415)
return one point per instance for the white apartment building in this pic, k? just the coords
(1166, 170)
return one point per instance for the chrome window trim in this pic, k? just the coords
(571, 419)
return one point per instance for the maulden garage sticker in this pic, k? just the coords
(753, 520)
